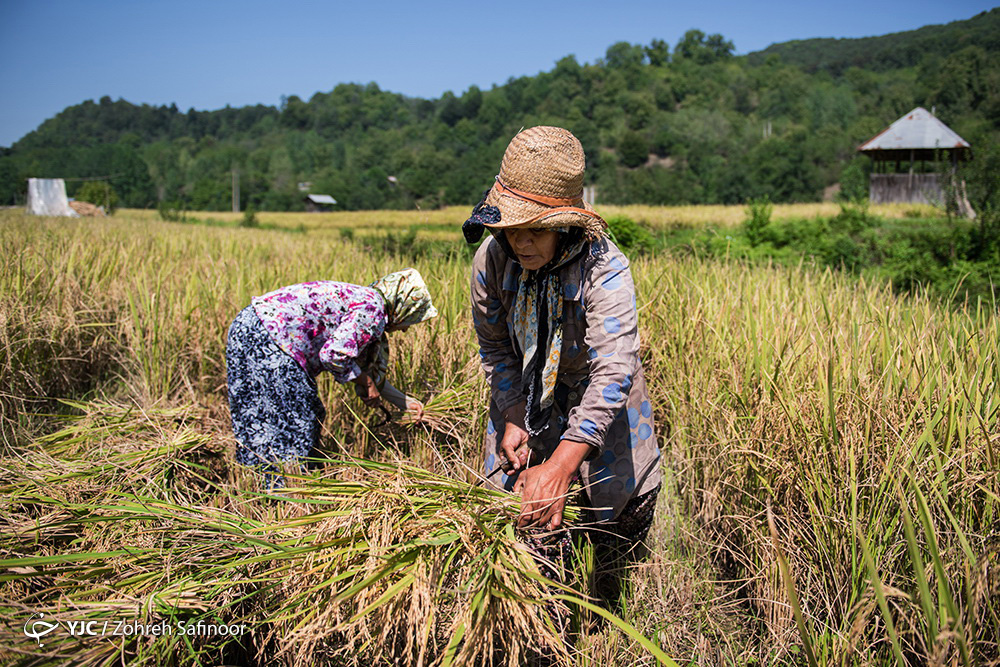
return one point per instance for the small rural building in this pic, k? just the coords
(319, 203)
(906, 158)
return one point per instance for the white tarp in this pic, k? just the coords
(47, 196)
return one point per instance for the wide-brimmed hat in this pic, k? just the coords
(540, 184)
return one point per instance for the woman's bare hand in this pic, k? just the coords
(515, 445)
(543, 488)
(543, 495)
(415, 408)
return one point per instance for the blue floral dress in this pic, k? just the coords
(276, 348)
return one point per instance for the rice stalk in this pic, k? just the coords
(367, 561)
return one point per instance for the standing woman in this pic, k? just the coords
(284, 339)
(555, 312)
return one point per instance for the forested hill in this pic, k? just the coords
(895, 51)
(661, 124)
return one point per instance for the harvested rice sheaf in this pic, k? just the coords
(361, 563)
(444, 412)
(423, 567)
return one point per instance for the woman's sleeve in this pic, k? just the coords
(612, 338)
(496, 352)
(345, 344)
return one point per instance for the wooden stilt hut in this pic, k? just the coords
(906, 158)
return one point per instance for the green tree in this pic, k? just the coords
(658, 53)
(980, 180)
(99, 193)
(622, 55)
(472, 100)
(634, 149)
(701, 49)
(452, 110)
(294, 112)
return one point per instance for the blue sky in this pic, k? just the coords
(210, 53)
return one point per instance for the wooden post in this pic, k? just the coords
(909, 181)
(236, 190)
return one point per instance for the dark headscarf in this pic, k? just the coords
(538, 325)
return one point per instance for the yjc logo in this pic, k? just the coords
(38, 628)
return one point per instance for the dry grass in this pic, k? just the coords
(864, 423)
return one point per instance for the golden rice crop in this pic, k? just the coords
(695, 216)
(368, 559)
(830, 449)
(445, 223)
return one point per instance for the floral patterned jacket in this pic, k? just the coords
(324, 325)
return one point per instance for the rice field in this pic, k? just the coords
(444, 223)
(830, 449)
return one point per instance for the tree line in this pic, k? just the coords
(687, 124)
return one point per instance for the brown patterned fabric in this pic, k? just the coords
(600, 397)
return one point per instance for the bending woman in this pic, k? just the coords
(555, 313)
(284, 339)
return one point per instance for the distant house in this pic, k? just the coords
(319, 203)
(906, 157)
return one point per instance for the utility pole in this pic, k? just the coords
(236, 190)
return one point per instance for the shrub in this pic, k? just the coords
(172, 211)
(758, 218)
(99, 193)
(843, 251)
(629, 235)
(854, 218)
(853, 183)
(250, 218)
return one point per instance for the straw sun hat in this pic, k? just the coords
(540, 184)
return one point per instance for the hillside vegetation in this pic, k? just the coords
(912, 48)
(661, 124)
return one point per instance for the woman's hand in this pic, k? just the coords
(369, 392)
(415, 407)
(515, 444)
(543, 487)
